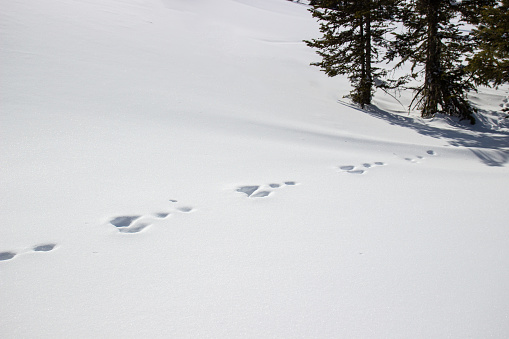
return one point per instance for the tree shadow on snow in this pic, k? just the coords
(490, 146)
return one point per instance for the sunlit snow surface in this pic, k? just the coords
(176, 169)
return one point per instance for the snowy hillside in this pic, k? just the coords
(176, 169)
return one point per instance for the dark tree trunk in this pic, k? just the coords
(360, 91)
(368, 77)
(433, 71)
(365, 83)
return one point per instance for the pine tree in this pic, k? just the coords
(436, 47)
(353, 33)
(490, 64)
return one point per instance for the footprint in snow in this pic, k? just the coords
(129, 224)
(138, 227)
(361, 169)
(44, 248)
(8, 255)
(262, 191)
(124, 221)
(417, 158)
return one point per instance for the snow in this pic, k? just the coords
(361, 224)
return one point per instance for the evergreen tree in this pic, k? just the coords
(353, 32)
(435, 46)
(490, 64)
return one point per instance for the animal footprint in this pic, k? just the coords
(44, 248)
(261, 194)
(7, 255)
(420, 157)
(248, 190)
(361, 169)
(135, 228)
(161, 215)
(129, 224)
(39, 248)
(259, 191)
(124, 221)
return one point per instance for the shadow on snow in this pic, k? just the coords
(491, 147)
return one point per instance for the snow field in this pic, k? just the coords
(263, 205)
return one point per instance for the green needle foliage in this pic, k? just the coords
(447, 60)
(490, 63)
(353, 34)
(435, 46)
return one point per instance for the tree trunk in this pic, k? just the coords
(433, 72)
(368, 77)
(360, 90)
(365, 83)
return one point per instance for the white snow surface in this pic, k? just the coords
(365, 223)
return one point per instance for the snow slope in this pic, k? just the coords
(264, 205)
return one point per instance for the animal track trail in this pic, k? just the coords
(262, 191)
(364, 167)
(361, 169)
(8, 255)
(417, 159)
(130, 224)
